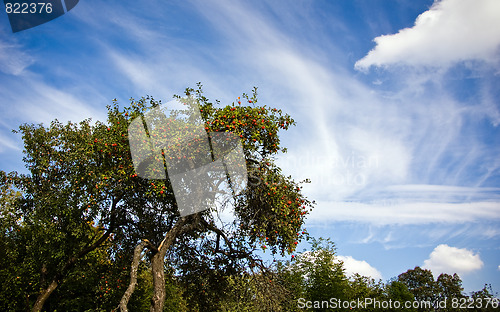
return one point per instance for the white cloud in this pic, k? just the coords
(450, 31)
(450, 260)
(44, 103)
(428, 188)
(350, 265)
(399, 212)
(361, 267)
(415, 204)
(7, 144)
(13, 60)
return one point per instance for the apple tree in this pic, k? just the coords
(83, 193)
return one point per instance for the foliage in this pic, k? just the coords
(317, 275)
(13, 272)
(483, 296)
(253, 293)
(420, 283)
(398, 291)
(83, 203)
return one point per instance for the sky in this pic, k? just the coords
(397, 104)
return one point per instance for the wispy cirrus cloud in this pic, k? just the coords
(355, 142)
(7, 144)
(13, 59)
(401, 212)
(409, 204)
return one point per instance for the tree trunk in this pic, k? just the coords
(158, 261)
(157, 268)
(44, 295)
(133, 277)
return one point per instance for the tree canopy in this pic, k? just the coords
(83, 196)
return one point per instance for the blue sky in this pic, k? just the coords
(396, 102)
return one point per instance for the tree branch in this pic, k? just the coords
(45, 293)
(133, 275)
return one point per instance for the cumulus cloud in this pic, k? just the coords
(450, 31)
(350, 265)
(361, 267)
(446, 259)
